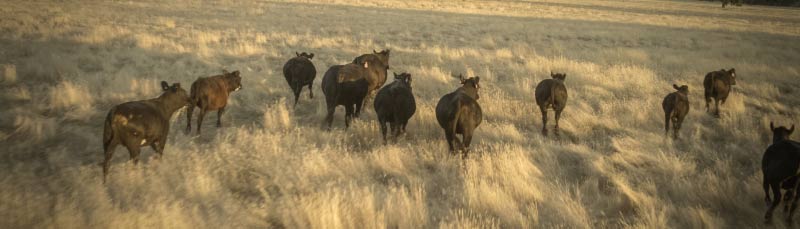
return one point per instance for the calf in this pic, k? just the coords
(676, 106)
(141, 123)
(210, 94)
(345, 85)
(378, 70)
(459, 113)
(551, 93)
(395, 104)
(779, 167)
(299, 72)
(717, 85)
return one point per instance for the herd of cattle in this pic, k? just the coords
(146, 122)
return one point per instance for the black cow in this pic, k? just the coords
(676, 106)
(717, 85)
(345, 85)
(779, 167)
(459, 113)
(299, 72)
(141, 123)
(395, 104)
(378, 69)
(551, 93)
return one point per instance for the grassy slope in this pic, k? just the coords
(65, 64)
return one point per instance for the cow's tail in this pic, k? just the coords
(711, 84)
(108, 130)
(454, 125)
(193, 94)
(552, 98)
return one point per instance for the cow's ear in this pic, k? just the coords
(396, 76)
(552, 75)
(374, 52)
(311, 56)
(298, 54)
(771, 126)
(164, 85)
(477, 82)
(408, 78)
(791, 130)
(461, 77)
(564, 76)
(235, 73)
(676, 87)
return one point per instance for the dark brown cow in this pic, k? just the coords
(299, 72)
(717, 85)
(459, 113)
(210, 94)
(676, 106)
(378, 70)
(551, 93)
(141, 123)
(345, 85)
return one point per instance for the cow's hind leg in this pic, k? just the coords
(667, 119)
(189, 112)
(158, 146)
(716, 107)
(451, 138)
(329, 116)
(543, 109)
(348, 115)
(310, 91)
(219, 116)
(382, 124)
(200, 119)
(108, 149)
(558, 117)
(776, 192)
(467, 140)
(794, 198)
(133, 150)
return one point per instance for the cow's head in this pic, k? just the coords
(304, 54)
(404, 78)
(174, 95)
(384, 56)
(732, 72)
(558, 76)
(683, 89)
(233, 80)
(781, 133)
(471, 85)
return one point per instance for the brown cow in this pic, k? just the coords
(210, 94)
(140, 123)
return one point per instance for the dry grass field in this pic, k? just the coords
(64, 64)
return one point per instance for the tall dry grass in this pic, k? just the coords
(65, 64)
